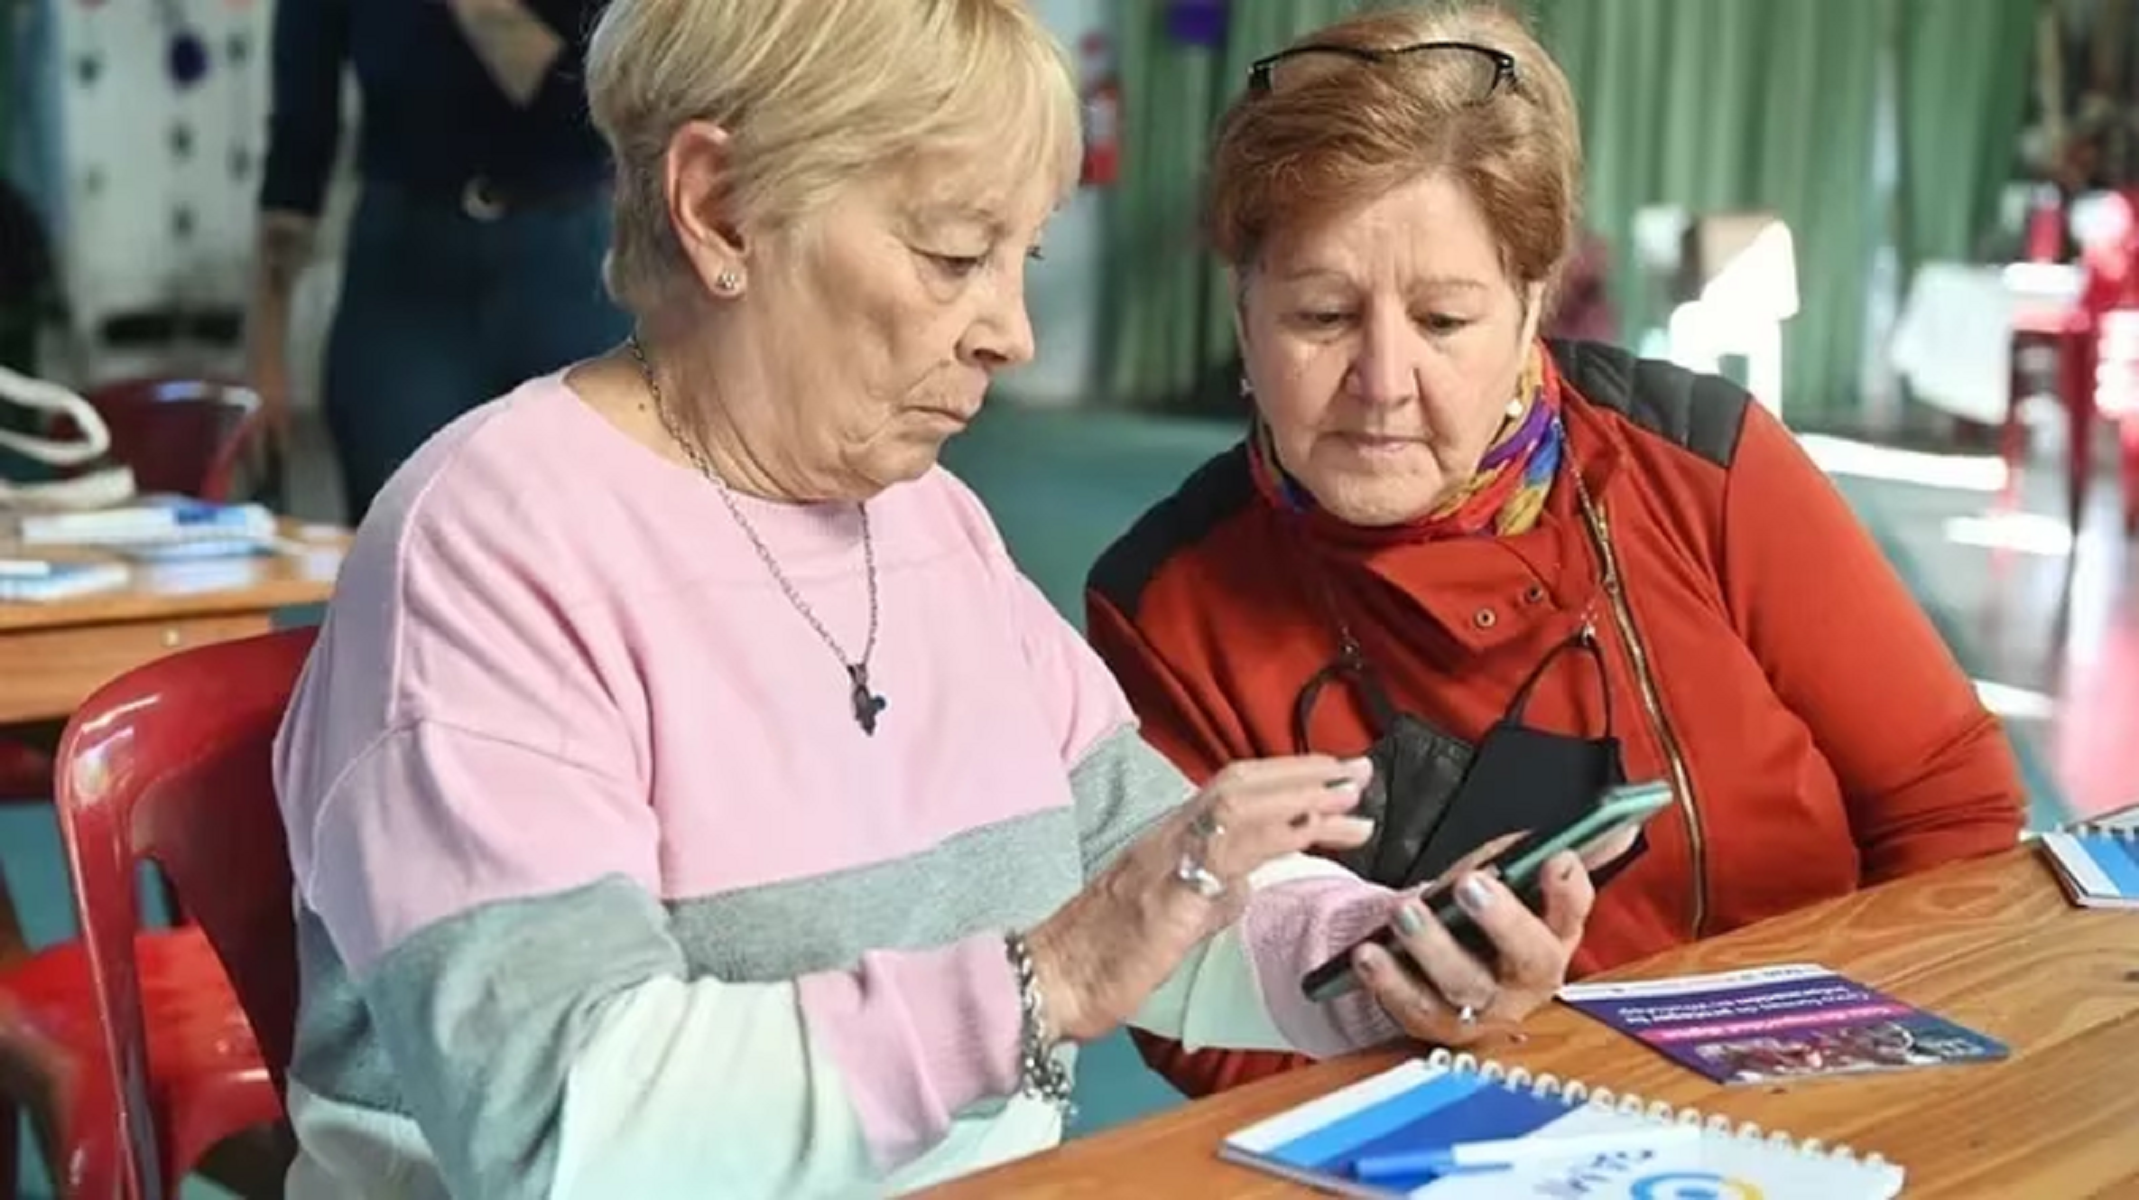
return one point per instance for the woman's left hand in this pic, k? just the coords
(1452, 998)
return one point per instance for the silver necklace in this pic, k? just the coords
(868, 705)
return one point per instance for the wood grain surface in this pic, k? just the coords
(1991, 944)
(53, 655)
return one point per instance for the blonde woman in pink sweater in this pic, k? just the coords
(688, 796)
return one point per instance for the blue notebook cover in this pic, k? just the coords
(2098, 864)
(1444, 1101)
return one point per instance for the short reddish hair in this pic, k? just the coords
(1311, 148)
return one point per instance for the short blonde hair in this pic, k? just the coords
(814, 94)
(1298, 154)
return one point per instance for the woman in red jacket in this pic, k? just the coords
(1512, 571)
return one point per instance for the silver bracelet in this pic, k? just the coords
(1041, 1074)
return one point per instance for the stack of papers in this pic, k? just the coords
(36, 580)
(158, 528)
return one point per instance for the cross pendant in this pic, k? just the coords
(867, 704)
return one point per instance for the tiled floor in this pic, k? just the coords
(2046, 623)
(2051, 637)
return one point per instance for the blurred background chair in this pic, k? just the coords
(189, 437)
(2096, 352)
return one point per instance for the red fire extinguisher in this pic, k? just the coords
(1102, 113)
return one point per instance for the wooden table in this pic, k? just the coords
(1990, 944)
(52, 656)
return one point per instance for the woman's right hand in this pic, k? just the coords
(1101, 955)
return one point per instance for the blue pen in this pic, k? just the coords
(1509, 1153)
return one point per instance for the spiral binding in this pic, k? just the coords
(1572, 1091)
(2123, 833)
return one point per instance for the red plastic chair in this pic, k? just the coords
(189, 436)
(2044, 238)
(25, 770)
(193, 437)
(2114, 364)
(2097, 360)
(142, 1055)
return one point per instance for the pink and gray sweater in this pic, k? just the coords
(602, 891)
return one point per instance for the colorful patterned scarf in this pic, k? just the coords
(1507, 493)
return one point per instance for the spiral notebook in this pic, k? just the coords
(1430, 1107)
(2098, 864)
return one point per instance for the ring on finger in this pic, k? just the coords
(1191, 871)
(1467, 1014)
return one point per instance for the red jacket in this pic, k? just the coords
(1821, 734)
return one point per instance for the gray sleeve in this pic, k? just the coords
(483, 1015)
(555, 1048)
(1122, 785)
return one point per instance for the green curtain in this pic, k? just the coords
(1168, 333)
(1153, 275)
(1724, 105)
(1707, 105)
(1962, 78)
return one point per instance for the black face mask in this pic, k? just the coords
(1435, 798)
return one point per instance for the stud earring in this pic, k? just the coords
(1515, 408)
(727, 283)
(1247, 390)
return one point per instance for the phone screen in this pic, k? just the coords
(1617, 809)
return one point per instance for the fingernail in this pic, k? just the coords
(1356, 772)
(1568, 863)
(1360, 826)
(1473, 894)
(1410, 918)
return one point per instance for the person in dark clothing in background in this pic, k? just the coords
(475, 256)
(27, 294)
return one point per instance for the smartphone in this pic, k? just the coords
(1619, 809)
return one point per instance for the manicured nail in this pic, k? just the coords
(1410, 918)
(1359, 826)
(1473, 894)
(1356, 772)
